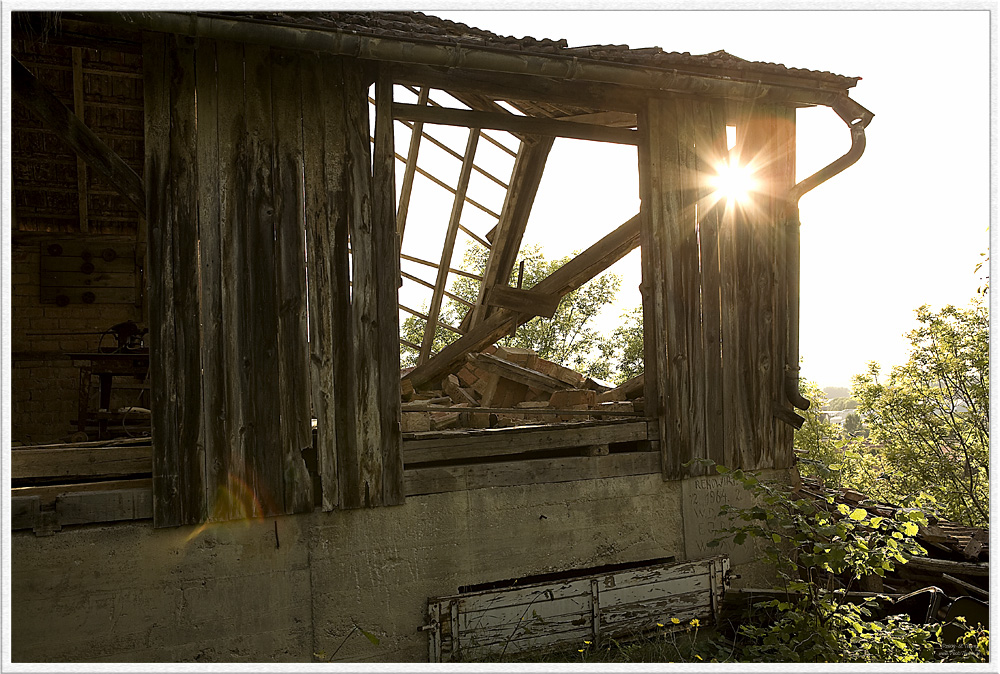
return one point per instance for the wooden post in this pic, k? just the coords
(386, 251)
(672, 302)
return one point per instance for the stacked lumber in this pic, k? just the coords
(509, 386)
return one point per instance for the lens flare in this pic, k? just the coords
(734, 182)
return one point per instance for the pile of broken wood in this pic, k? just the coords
(507, 386)
(957, 555)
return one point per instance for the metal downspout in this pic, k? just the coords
(856, 118)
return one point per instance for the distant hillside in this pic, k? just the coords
(837, 392)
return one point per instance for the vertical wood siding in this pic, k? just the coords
(713, 301)
(257, 190)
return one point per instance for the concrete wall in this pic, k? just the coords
(285, 588)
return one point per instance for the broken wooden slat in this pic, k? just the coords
(451, 270)
(946, 566)
(71, 129)
(518, 440)
(447, 250)
(514, 123)
(451, 296)
(525, 179)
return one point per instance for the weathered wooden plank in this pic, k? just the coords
(448, 248)
(86, 294)
(387, 281)
(506, 441)
(562, 281)
(71, 129)
(80, 462)
(259, 326)
(75, 279)
(525, 179)
(321, 107)
(163, 397)
(189, 460)
(24, 511)
(514, 123)
(947, 566)
(361, 478)
(229, 463)
(48, 493)
(215, 330)
(104, 506)
(294, 418)
(711, 150)
(784, 179)
(527, 302)
(533, 471)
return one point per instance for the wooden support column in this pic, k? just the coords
(449, 246)
(525, 178)
(387, 254)
(674, 343)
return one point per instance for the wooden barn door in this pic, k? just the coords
(713, 298)
(259, 177)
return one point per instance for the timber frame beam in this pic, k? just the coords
(70, 128)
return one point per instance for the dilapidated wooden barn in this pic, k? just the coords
(228, 182)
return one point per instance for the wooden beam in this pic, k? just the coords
(475, 237)
(411, 166)
(81, 165)
(526, 302)
(562, 281)
(81, 462)
(514, 123)
(448, 248)
(452, 296)
(476, 167)
(451, 270)
(68, 127)
(473, 444)
(946, 566)
(533, 471)
(525, 179)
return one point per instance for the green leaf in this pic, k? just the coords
(368, 635)
(858, 514)
(910, 529)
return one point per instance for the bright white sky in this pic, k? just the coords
(903, 227)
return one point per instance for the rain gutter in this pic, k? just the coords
(856, 118)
